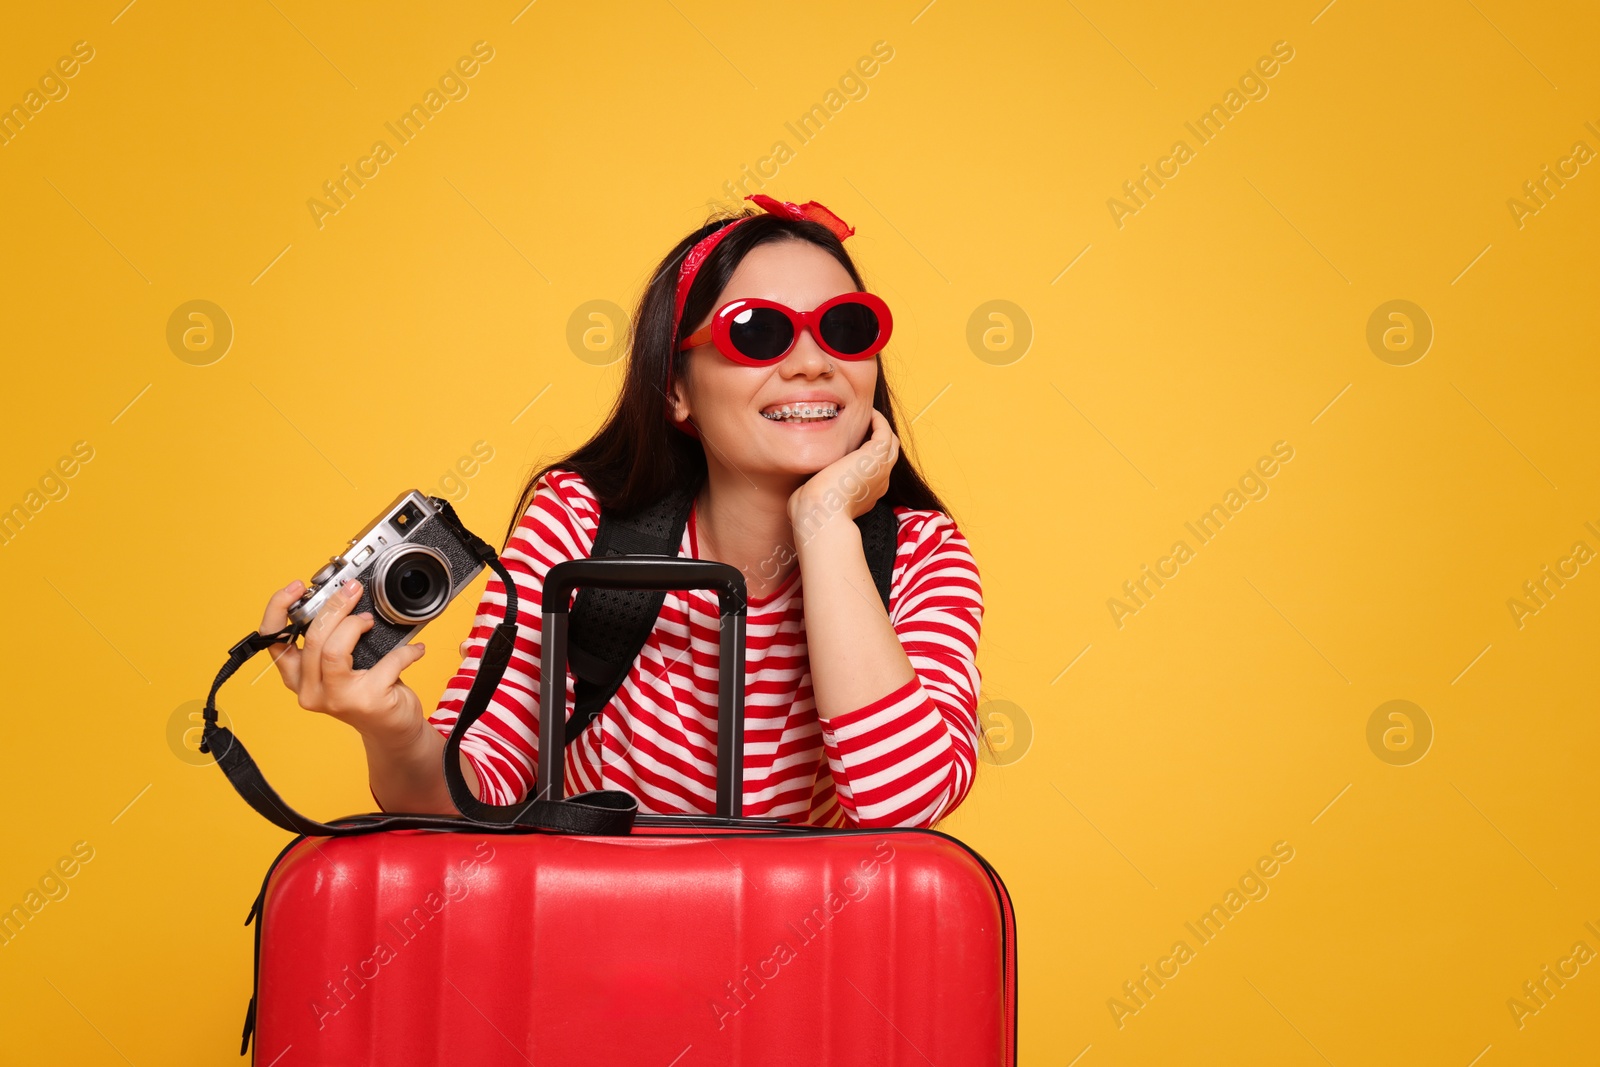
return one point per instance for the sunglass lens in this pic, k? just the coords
(850, 327)
(761, 333)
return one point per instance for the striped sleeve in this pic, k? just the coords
(908, 758)
(503, 745)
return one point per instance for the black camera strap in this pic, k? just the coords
(605, 812)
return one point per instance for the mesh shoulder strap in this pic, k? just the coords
(880, 533)
(607, 628)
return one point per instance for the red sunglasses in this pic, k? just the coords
(758, 332)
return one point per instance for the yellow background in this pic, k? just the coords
(1226, 715)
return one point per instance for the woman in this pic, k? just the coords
(854, 717)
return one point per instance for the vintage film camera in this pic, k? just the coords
(411, 562)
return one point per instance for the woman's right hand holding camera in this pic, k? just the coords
(381, 707)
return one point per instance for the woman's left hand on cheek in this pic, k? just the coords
(854, 482)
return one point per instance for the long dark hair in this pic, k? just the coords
(637, 456)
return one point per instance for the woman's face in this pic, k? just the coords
(726, 399)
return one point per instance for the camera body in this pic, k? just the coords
(411, 563)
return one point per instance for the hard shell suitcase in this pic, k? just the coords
(689, 941)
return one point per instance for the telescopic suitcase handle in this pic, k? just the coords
(650, 573)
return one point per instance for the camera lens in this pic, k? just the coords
(412, 584)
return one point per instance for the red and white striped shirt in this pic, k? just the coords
(905, 759)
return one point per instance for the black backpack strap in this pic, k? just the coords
(607, 628)
(598, 812)
(880, 534)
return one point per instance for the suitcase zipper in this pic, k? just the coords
(255, 973)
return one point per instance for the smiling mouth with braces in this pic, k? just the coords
(818, 412)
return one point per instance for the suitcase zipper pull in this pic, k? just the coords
(249, 1025)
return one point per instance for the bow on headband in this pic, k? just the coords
(810, 211)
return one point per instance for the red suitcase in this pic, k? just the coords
(687, 941)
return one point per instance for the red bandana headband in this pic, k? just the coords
(810, 211)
